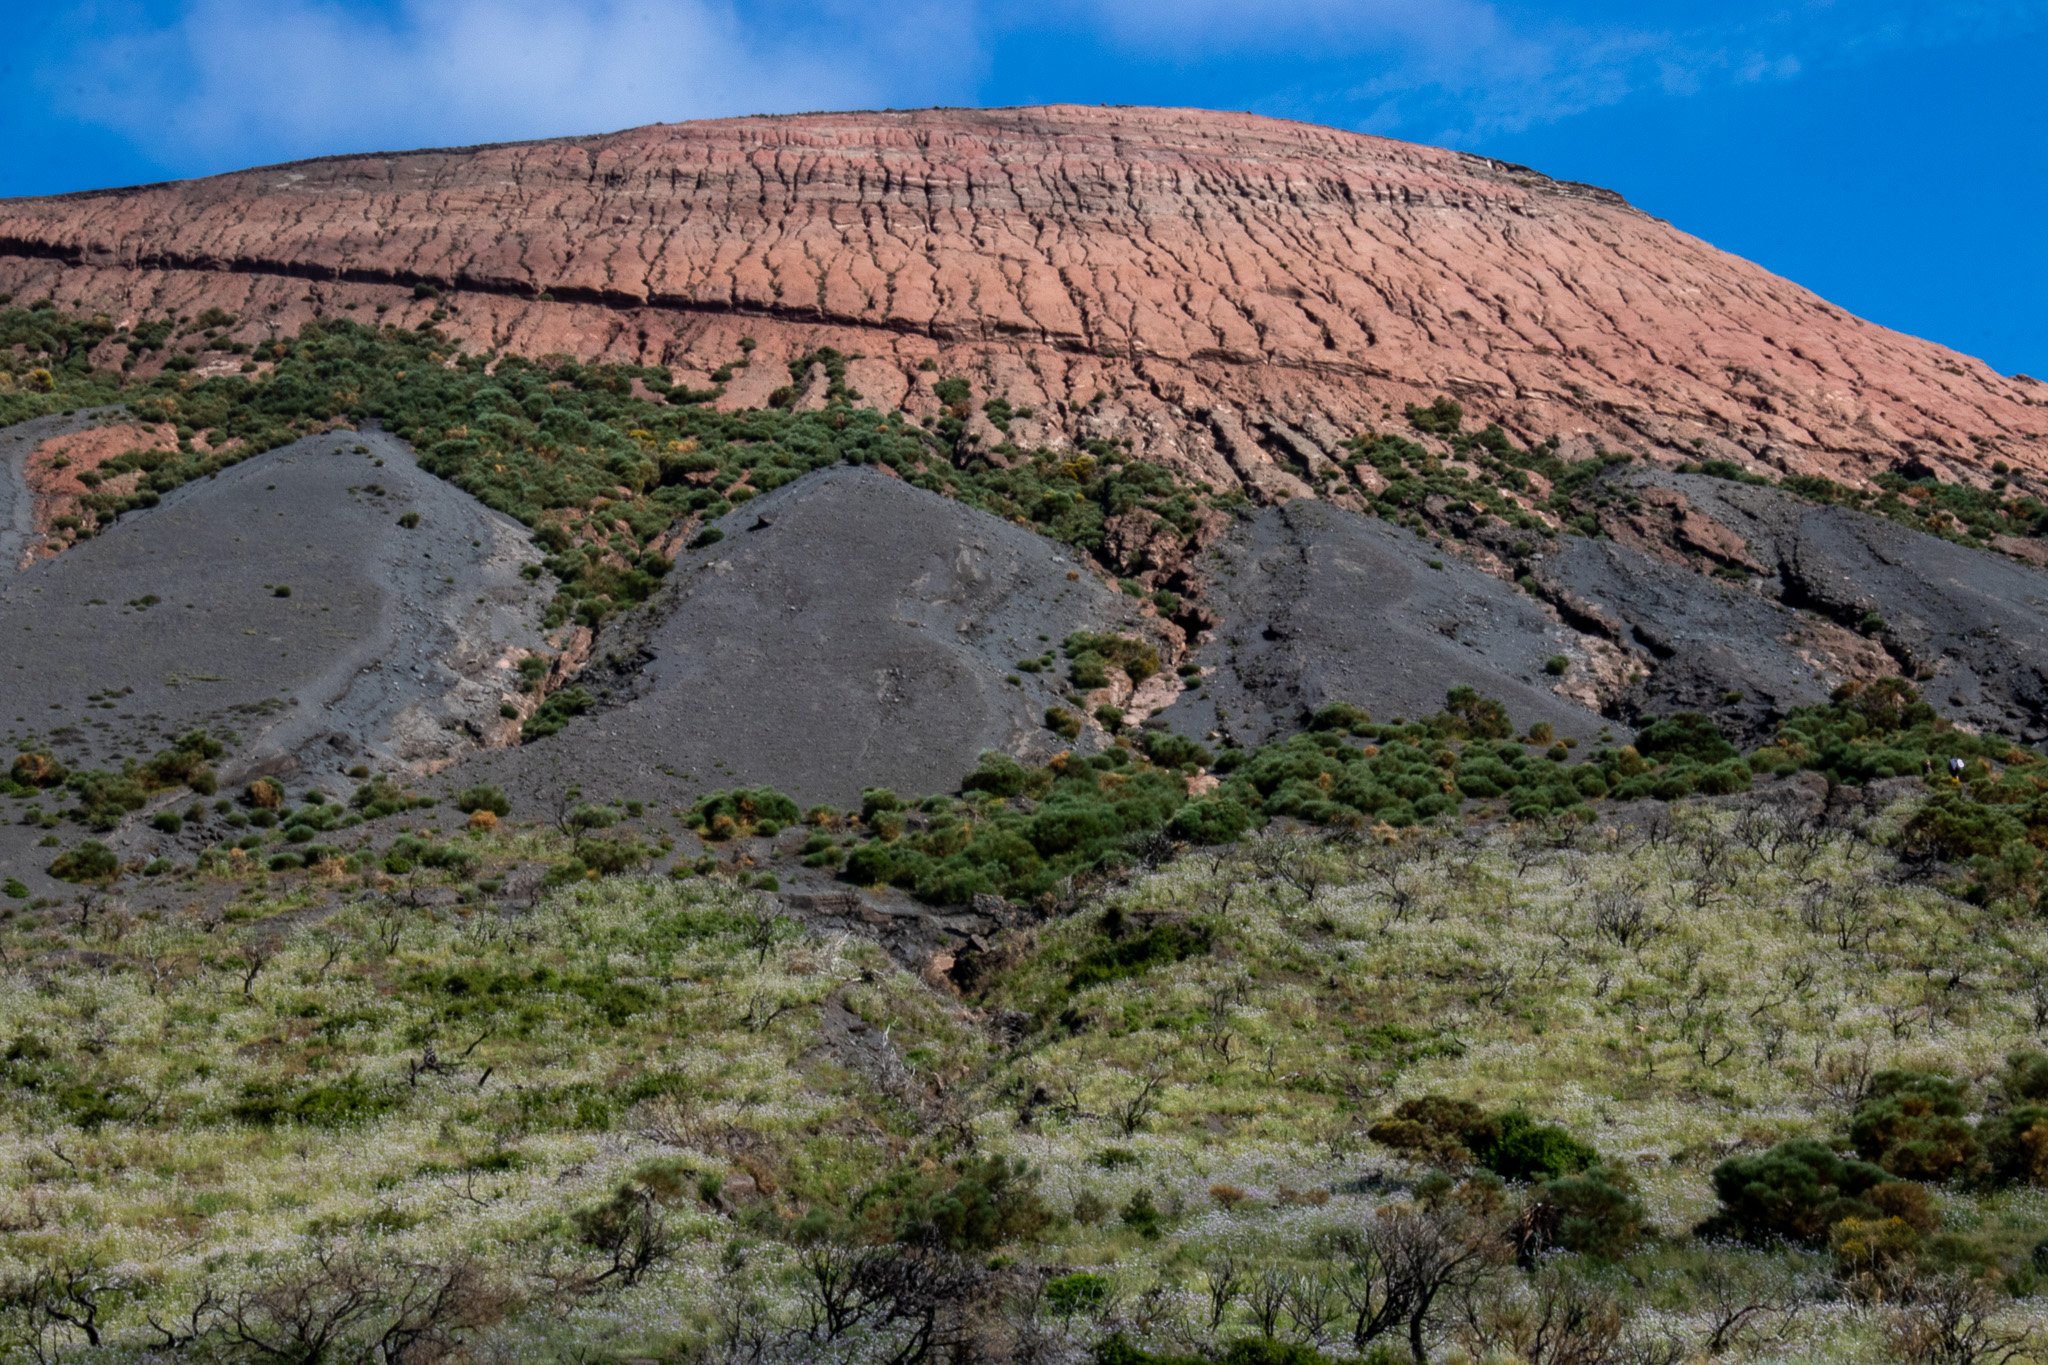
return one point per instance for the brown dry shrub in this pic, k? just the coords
(36, 770)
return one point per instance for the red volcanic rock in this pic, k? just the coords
(1235, 295)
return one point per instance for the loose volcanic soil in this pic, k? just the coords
(1702, 644)
(848, 630)
(1234, 295)
(1970, 625)
(1317, 605)
(393, 648)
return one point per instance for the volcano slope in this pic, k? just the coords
(1234, 295)
(284, 606)
(844, 631)
(1319, 605)
(1747, 601)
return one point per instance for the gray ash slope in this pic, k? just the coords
(1704, 645)
(290, 608)
(1318, 605)
(1969, 625)
(847, 631)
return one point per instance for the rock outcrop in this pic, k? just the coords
(1233, 295)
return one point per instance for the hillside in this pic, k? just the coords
(1235, 296)
(1063, 737)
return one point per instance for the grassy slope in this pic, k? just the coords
(684, 1036)
(180, 1122)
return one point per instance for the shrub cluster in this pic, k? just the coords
(740, 814)
(1090, 657)
(1576, 1202)
(1018, 831)
(104, 797)
(1910, 1130)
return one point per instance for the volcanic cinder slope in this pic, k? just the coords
(1318, 604)
(848, 630)
(1824, 593)
(1235, 295)
(285, 603)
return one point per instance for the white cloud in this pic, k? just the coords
(235, 79)
(229, 82)
(1455, 71)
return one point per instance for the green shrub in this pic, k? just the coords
(555, 712)
(91, 861)
(1528, 1150)
(333, 1104)
(1123, 950)
(1795, 1192)
(1911, 1124)
(1595, 1214)
(2026, 1078)
(380, 797)
(1080, 1293)
(1954, 827)
(473, 799)
(977, 1205)
(1340, 717)
(1439, 1130)
(1443, 417)
(999, 775)
(1091, 655)
(1142, 1215)
(1170, 750)
(1687, 735)
(741, 813)
(1468, 714)
(36, 770)
(2015, 1145)
(1212, 820)
(1454, 1133)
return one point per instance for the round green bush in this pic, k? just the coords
(1793, 1193)
(91, 861)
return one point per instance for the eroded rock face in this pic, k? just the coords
(1234, 295)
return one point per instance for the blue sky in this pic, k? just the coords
(1890, 154)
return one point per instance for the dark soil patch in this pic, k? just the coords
(281, 603)
(1319, 605)
(844, 631)
(1969, 625)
